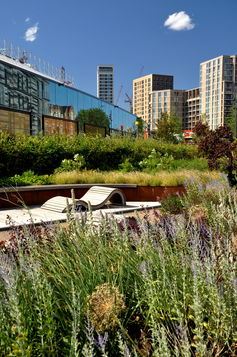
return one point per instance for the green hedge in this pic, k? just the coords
(42, 154)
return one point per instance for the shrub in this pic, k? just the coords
(27, 178)
(220, 149)
(126, 166)
(173, 204)
(43, 154)
(76, 164)
(156, 161)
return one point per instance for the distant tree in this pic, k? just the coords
(219, 148)
(231, 120)
(93, 116)
(139, 125)
(169, 128)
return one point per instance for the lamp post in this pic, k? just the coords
(110, 122)
(137, 124)
(149, 128)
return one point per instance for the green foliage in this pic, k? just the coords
(93, 116)
(231, 120)
(173, 204)
(199, 164)
(139, 123)
(169, 128)
(200, 193)
(161, 286)
(77, 164)
(25, 179)
(156, 161)
(126, 166)
(43, 154)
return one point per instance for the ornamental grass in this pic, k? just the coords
(163, 285)
(161, 178)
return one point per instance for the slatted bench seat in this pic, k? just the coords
(95, 198)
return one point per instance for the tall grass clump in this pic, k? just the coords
(161, 178)
(164, 285)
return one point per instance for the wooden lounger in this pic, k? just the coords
(95, 198)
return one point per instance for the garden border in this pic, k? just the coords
(37, 195)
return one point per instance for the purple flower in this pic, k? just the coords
(102, 341)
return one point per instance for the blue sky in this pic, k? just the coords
(127, 33)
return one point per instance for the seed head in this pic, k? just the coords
(104, 306)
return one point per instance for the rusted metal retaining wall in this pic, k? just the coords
(37, 195)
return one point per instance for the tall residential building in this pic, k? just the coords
(169, 101)
(142, 89)
(218, 87)
(192, 108)
(105, 82)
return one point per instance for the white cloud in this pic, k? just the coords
(179, 21)
(31, 33)
(27, 19)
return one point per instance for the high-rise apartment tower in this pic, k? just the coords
(192, 108)
(142, 91)
(170, 101)
(218, 88)
(105, 82)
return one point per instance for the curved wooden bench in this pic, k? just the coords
(95, 198)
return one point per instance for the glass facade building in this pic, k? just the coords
(25, 90)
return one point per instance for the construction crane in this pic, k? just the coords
(119, 94)
(141, 71)
(129, 98)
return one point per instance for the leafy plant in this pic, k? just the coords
(169, 128)
(76, 164)
(173, 204)
(231, 120)
(126, 166)
(27, 178)
(220, 149)
(157, 161)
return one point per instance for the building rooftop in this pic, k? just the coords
(15, 62)
(153, 74)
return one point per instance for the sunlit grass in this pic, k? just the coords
(162, 178)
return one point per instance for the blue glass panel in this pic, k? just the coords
(67, 102)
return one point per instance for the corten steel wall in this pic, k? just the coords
(37, 195)
(15, 121)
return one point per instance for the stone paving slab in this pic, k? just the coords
(131, 206)
(37, 215)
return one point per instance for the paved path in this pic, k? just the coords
(35, 215)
